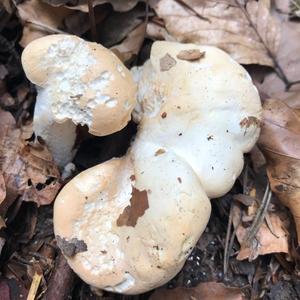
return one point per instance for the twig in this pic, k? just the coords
(193, 10)
(36, 280)
(92, 20)
(226, 248)
(259, 218)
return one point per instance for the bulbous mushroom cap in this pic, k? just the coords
(81, 81)
(133, 221)
(199, 102)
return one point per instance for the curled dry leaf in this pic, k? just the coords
(40, 19)
(272, 236)
(280, 143)
(203, 291)
(130, 47)
(248, 34)
(28, 169)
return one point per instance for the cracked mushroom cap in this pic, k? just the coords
(129, 224)
(80, 81)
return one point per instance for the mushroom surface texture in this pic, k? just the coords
(129, 224)
(78, 82)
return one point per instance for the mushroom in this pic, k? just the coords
(78, 82)
(129, 224)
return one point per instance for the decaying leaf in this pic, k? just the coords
(190, 55)
(71, 247)
(158, 32)
(131, 46)
(288, 57)
(118, 26)
(272, 236)
(40, 19)
(280, 143)
(203, 291)
(118, 5)
(27, 168)
(248, 34)
(131, 213)
(166, 63)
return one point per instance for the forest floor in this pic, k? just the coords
(249, 249)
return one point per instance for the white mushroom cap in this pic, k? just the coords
(79, 81)
(132, 222)
(139, 217)
(207, 110)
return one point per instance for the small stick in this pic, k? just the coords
(259, 218)
(226, 248)
(36, 280)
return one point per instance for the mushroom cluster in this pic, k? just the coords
(128, 224)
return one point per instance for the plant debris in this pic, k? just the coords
(249, 249)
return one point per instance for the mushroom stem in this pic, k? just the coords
(59, 137)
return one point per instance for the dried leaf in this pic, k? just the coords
(131, 213)
(288, 58)
(131, 45)
(71, 247)
(245, 33)
(280, 143)
(166, 63)
(40, 19)
(271, 237)
(158, 32)
(118, 26)
(27, 168)
(190, 55)
(118, 5)
(203, 291)
(8, 5)
(12, 289)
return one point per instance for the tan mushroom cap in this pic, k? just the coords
(83, 81)
(140, 217)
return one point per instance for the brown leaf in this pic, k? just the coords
(131, 213)
(190, 54)
(272, 236)
(71, 247)
(166, 63)
(118, 5)
(130, 47)
(40, 19)
(203, 291)
(27, 168)
(245, 33)
(117, 26)
(280, 143)
(288, 58)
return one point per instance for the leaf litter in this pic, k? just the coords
(250, 248)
